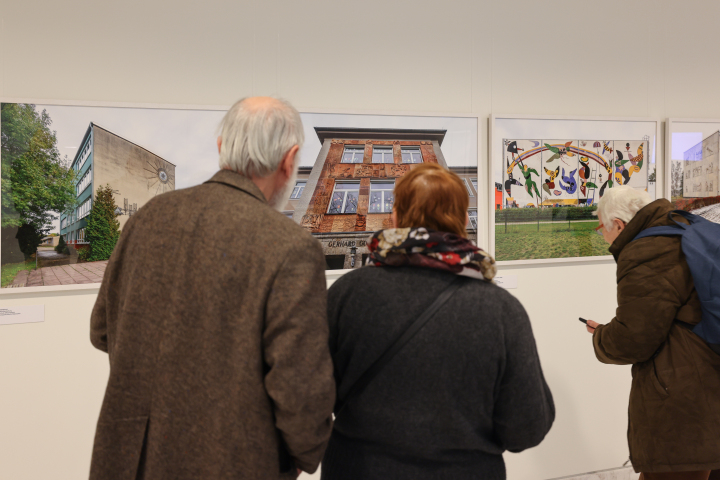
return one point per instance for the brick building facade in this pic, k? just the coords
(349, 191)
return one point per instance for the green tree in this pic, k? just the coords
(35, 180)
(103, 229)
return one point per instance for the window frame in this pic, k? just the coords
(354, 148)
(345, 192)
(300, 192)
(473, 225)
(382, 195)
(468, 187)
(383, 148)
(411, 148)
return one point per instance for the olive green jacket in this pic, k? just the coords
(213, 314)
(674, 411)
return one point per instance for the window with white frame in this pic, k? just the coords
(63, 223)
(382, 154)
(81, 235)
(474, 183)
(83, 155)
(84, 182)
(353, 154)
(298, 190)
(84, 209)
(467, 186)
(411, 155)
(344, 198)
(473, 219)
(381, 197)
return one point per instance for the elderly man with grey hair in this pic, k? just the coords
(674, 426)
(213, 313)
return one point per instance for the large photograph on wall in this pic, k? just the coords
(72, 175)
(693, 147)
(548, 175)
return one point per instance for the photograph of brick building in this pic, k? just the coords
(348, 193)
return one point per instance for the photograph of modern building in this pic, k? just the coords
(134, 173)
(700, 168)
(348, 193)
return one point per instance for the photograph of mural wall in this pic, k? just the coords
(695, 176)
(545, 203)
(73, 175)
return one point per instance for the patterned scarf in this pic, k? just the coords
(420, 247)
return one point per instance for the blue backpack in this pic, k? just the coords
(701, 246)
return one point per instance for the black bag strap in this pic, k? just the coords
(414, 327)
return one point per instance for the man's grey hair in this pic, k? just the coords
(621, 202)
(255, 138)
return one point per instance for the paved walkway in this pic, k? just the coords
(90, 272)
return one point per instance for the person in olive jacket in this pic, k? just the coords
(674, 412)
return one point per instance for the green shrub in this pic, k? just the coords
(545, 214)
(103, 229)
(61, 246)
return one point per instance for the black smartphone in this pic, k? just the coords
(583, 320)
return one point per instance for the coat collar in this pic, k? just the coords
(650, 215)
(241, 182)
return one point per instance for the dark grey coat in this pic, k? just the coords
(212, 311)
(468, 387)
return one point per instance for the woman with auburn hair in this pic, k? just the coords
(436, 367)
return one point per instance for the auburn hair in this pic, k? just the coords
(433, 197)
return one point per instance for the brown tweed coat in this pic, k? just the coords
(674, 411)
(213, 313)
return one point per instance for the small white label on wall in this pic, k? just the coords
(506, 281)
(24, 314)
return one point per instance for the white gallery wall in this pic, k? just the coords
(555, 57)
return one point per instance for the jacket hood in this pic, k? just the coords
(651, 215)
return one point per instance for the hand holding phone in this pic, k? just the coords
(589, 324)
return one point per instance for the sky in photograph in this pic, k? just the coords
(187, 138)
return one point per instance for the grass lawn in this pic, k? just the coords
(9, 271)
(553, 240)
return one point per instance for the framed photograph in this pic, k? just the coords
(548, 173)
(692, 147)
(74, 173)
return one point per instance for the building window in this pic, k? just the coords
(353, 154)
(474, 183)
(84, 182)
(84, 209)
(83, 156)
(381, 197)
(298, 190)
(382, 154)
(467, 185)
(63, 223)
(289, 214)
(473, 219)
(344, 198)
(411, 155)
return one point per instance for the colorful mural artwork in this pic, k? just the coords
(570, 172)
(550, 190)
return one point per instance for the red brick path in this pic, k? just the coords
(90, 272)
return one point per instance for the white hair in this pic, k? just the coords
(256, 135)
(621, 202)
